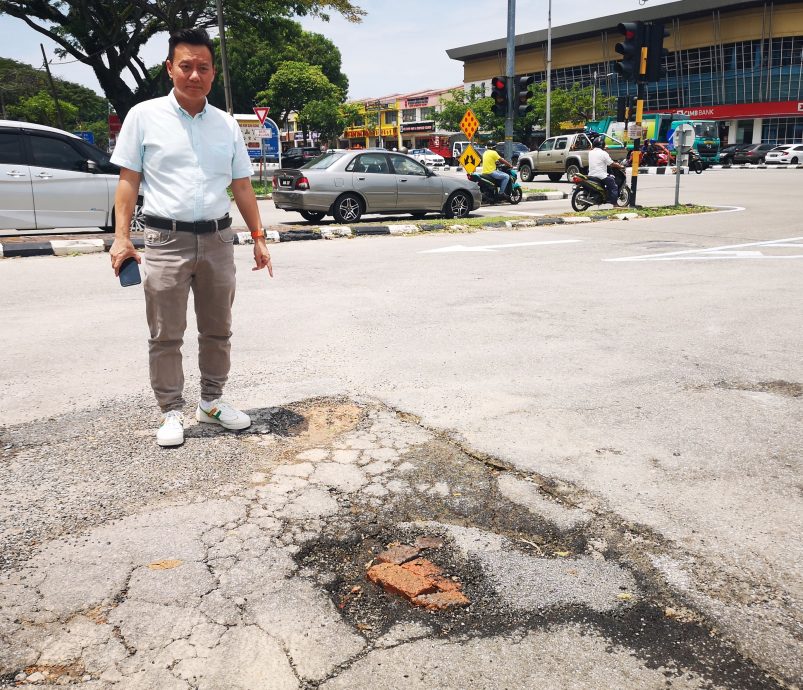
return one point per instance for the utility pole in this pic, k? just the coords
(59, 117)
(224, 60)
(548, 69)
(510, 72)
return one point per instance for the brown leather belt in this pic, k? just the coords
(198, 227)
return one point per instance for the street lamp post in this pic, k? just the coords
(548, 68)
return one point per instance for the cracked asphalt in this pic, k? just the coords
(255, 577)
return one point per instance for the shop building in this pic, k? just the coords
(740, 63)
(397, 120)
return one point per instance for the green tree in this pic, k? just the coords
(255, 52)
(41, 109)
(568, 107)
(325, 117)
(108, 36)
(460, 100)
(292, 86)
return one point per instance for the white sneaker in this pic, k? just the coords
(220, 412)
(171, 430)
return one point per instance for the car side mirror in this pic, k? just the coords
(91, 166)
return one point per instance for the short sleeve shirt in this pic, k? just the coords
(598, 162)
(186, 162)
(489, 159)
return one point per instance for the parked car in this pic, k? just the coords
(518, 149)
(427, 157)
(53, 179)
(296, 157)
(752, 153)
(785, 153)
(726, 154)
(348, 184)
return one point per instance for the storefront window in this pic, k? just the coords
(428, 113)
(390, 117)
(408, 115)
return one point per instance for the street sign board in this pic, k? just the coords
(86, 136)
(635, 131)
(270, 138)
(469, 159)
(469, 124)
(683, 137)
(261, 111)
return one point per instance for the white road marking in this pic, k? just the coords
(727, 252)
(493, 247)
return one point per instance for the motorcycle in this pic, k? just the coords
(696, 163)
(589, 191)
(489, 188)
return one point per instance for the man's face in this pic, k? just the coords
(192, 71)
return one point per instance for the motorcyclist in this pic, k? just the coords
(598, 162)
(490, 159)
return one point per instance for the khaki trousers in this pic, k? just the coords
(176, 262)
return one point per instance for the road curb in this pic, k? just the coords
(68, 247)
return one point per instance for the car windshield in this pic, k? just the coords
(705, 130)
(428, 152)
(323, 161)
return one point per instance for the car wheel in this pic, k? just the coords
(137, 219)
(525, 172)
(347, 209)
(572, 169)
(458, 205)
(554, 177)
(516, 195)
(312, 216)
(793, 161)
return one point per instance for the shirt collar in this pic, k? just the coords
(174, 102)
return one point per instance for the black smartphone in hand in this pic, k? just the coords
(129, 272)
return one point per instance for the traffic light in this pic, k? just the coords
(630, 50)
(625, 108)
(499, 94)
(521, 95)
(656, 51)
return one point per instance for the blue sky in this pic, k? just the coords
(400, 46)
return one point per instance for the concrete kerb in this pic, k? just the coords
(67, 247)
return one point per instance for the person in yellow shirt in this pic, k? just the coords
(490, 159)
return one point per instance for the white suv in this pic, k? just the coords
(53, 179)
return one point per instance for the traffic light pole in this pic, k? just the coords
(510, 70)
(641, 93)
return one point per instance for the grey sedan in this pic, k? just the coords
(347, 184)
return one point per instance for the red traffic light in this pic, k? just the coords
(630, 34)
(498, 83)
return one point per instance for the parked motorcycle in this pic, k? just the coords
(489, 188)
(589, 191)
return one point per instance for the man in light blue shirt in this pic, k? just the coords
(183, 153)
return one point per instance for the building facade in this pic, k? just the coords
(397, 120)
(740, 63)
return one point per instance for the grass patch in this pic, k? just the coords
(646, 211)
(260, 188)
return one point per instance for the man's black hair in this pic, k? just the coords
(194, 37)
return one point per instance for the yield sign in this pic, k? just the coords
(261, 112)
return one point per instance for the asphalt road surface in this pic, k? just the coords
(647, 373)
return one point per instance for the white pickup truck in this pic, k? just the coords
(566, 154)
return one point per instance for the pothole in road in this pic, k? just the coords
(520, 569)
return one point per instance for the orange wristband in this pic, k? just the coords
(256, 234)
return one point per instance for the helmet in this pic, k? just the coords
(598, 143)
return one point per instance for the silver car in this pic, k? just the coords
(348, 184)
(53, 179)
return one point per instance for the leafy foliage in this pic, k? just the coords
(325, 117)
(26, 97)
(294, 85)
(108, 36)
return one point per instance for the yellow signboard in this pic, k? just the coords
(470, 159)
(469, 124)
